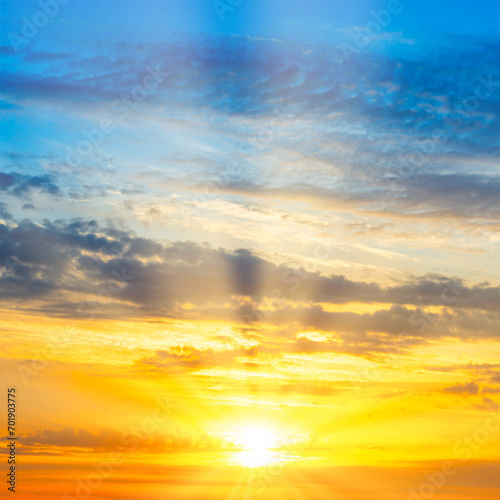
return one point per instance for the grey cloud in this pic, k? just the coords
(46, 260)
(4, 212)
(20, 184)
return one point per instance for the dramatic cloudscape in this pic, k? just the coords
(248, 248)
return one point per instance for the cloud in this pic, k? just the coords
(190, 358)
(468, 388)
(55, 256)
(80, 269)
(423, 195)
(366, 118)
(72, 437)
(487, 405)
(481, 371)
(4, 212)
(180, 440)
(490, 390)
(34, 259)
(21, 185)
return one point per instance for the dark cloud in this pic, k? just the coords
(37, 260)
(117, 273)
(4, 212)
(21, 185)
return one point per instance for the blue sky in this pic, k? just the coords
(264, 18)
(384, 135)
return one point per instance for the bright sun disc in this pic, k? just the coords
(257, 443)
(257, 439)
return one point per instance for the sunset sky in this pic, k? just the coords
(249, 249)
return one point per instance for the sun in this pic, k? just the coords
(257, 439)
(257, 442)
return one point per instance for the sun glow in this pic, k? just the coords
(258, 443)
(257, 439)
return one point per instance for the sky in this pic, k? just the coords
(248, 248)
